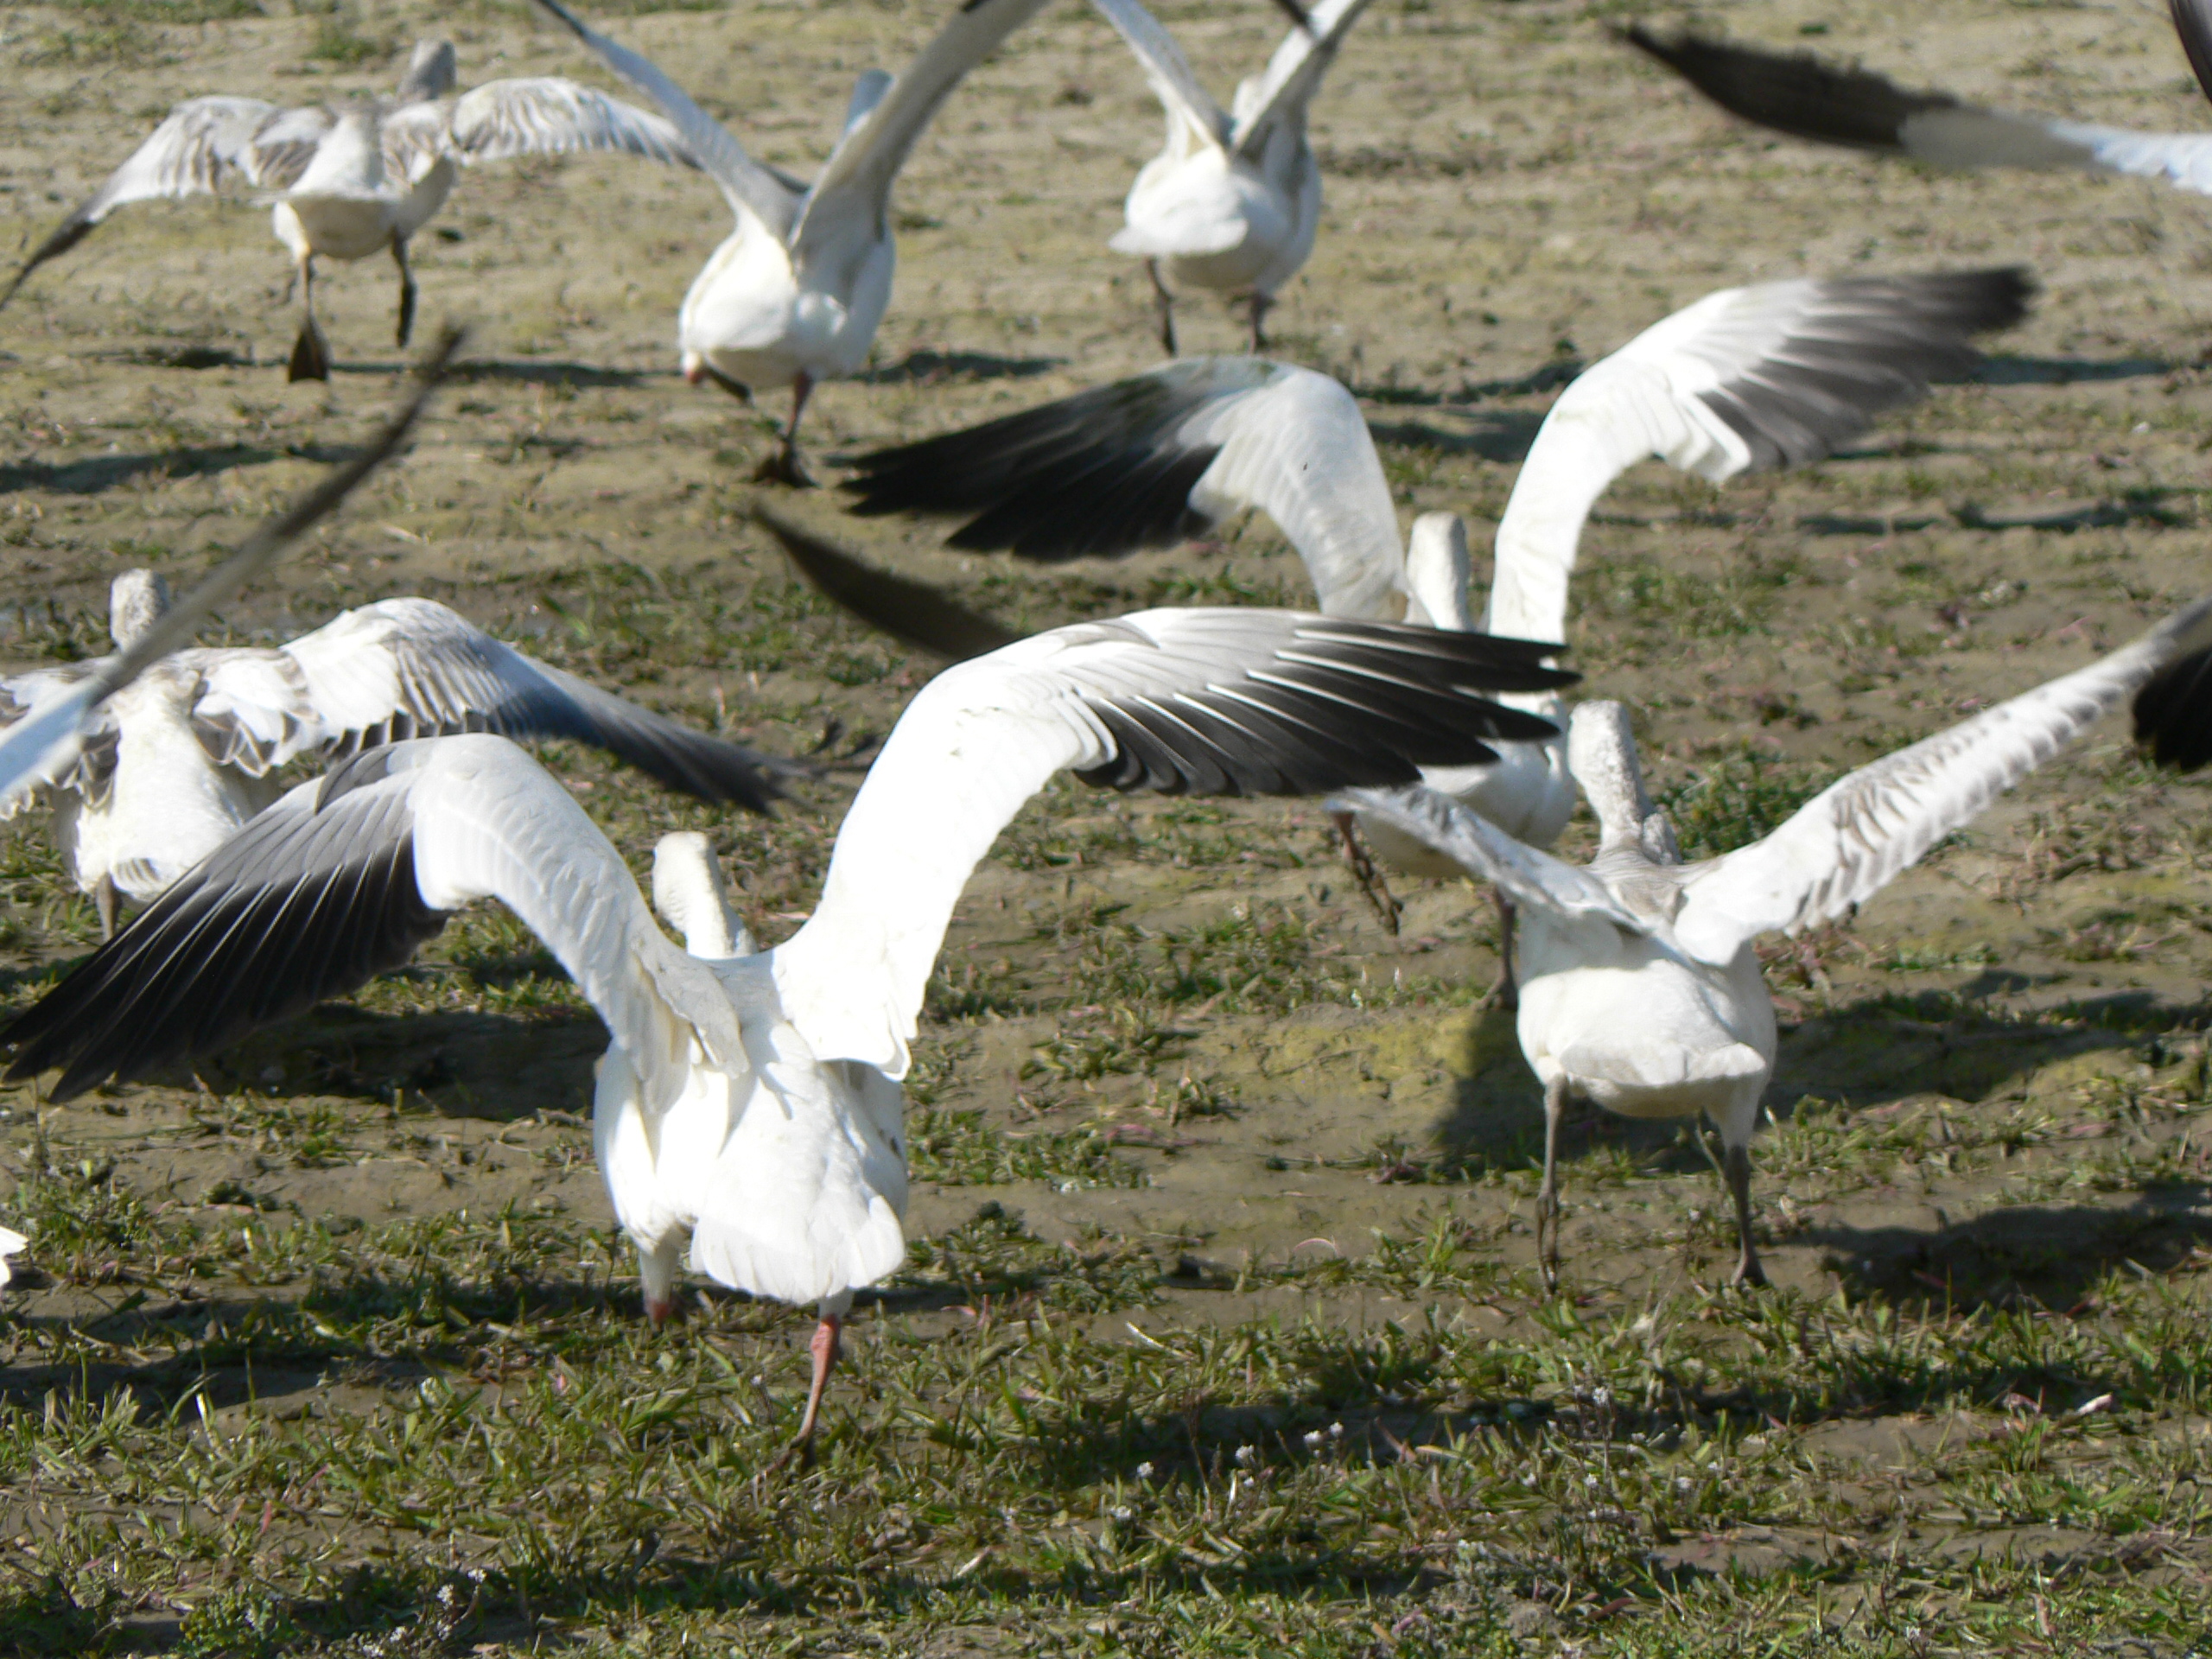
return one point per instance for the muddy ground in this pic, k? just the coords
(1180, 1094)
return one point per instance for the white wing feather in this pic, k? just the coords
(1528, 876)
(1283, 91)
(1853, 838)
(1173, 81)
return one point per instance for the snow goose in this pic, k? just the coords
(1640, 987)
(1231, 202)
(1745, 380)
(1797, 94)
(796, 293)
(752, 1100)
(47, 746)
(11, 1243)
(174, 764)
(353, 180)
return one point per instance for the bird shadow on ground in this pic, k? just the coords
(2043, 1256)
(1500, 435)
(99, 473)
(929, 368)
(477, 371)
(2004, 370)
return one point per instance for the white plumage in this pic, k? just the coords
(1233, 199)
(361, 179)
(1640, 987)
(796, 292)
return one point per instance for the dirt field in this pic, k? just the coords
(1221, 1332)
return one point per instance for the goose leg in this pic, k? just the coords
(1166, 301)
(310, 352)
(406, 289)
(825, 1348)
(1260, 305)
(106, 901)
(1556, 1093)
(785, 466)
(1370, 879)
(1506, 994)
(1736, 1165)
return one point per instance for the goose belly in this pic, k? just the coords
(338, 226)
(1213, 223)
(761, 324)
(655, 1164)
(1642, 1031)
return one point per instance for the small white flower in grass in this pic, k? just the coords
(1601, 1397)
(1591, 1481)
(1144, 1471)
(1682, 1482)
(1336, 1431)
(1246, 1455)
(1121, 1512)
(1315, 1439)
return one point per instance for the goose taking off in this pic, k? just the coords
(173, 765)
(1745, 380)
(751, 1101)
(1231, 202)
(795, 294)
(1797, 94)
(353, 180)
(1640, 988)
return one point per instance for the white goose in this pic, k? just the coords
(11, 1243)
(1640, 988)
(751, 1101)
(173, 763)
(795, 294)
(1745, 380)
(1798, 94)
(1232, 202)
(361, 179)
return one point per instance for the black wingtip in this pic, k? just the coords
(2193, 24)
(1795, 93)
(909, 611)
(74, 231)
(2173, 713)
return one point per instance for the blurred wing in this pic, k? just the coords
(344, 878)
(1155, 460)
(911, 612)
(2173, 713)
(1856, 837)
(1806, 99)
(1748, 379)
(46, 744)
(1165, 67)
(1202, 701)
(2193, 24)
(404, 668)
(1292, 76)
(204, 144)
(750, 186)
(1531, 878)
(855, 185)
(547, 116)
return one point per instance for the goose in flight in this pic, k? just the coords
(1797, 94)
(1231, 202)
(1745, 380)
(360, 179)
(1640, 987)
(751, 1100)
(172, 766)
(795, 294)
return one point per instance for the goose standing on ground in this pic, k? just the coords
(1746, 380)
(795, 294)
(1232, 202)
(1640, 987)
(1797, 94)
(751, 1101)
(361, 178)
(173, 765)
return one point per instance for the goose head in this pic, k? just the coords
(688, 892)
(430, 73)
(1601, 754)
(136, 600)
(1439, 571)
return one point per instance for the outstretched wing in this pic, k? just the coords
(749, 186)
(1155, 459)
(1177, 87)
(1856, 837)
(854, 187)
(404, 668)
(1204, 702)
(1292, 76)
(1748, 379)
(1529, 876)
(1798, 94)
(204, 144)
(345, 878)
(542, 116)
